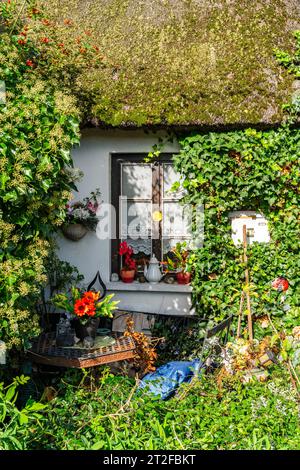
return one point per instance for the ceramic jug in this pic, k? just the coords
(153, 272)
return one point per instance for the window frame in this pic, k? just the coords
(157, 198)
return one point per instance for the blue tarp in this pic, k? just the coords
(166, 379)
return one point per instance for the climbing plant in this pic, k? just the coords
(241, 170)
(39, 124)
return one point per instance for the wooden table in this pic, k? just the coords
(45, 351)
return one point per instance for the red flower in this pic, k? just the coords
(92, 311)
(29, 63)
(45, 40)
(21, 41)
(81, 308)
(123, 248)
(91, 296)
(126, 251)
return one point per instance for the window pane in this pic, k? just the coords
(176, 220)
(136, 219)
(137, 180)
(169, 178)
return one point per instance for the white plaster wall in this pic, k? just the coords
(91, 254)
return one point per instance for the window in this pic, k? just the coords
(149, 215)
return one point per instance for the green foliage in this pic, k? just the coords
(104, 415)
(179, 260)
(39, 125)
(237, 171)
(16, 425)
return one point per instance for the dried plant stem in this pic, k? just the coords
(18, 16)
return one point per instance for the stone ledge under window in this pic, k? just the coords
(147, 287)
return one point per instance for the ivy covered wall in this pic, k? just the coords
(245, 170)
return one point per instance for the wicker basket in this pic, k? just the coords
(74, 232)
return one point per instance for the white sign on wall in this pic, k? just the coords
(257, 227)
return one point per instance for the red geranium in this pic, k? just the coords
(126, 251)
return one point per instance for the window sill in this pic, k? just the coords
(147, 287)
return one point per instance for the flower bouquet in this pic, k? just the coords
(82, 216)
(128, 270)
(86, 308)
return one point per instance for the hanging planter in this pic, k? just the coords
(82, 216)
(74, 232)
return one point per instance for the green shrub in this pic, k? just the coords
(244, 170)
(39, 125)
(17, 425)
(107, 416)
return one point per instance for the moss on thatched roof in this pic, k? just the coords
(183, 62)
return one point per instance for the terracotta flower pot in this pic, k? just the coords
(183, 278)
(87, 329)
(74, 232)
(127, 276)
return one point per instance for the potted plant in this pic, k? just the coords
(180, 263)
(82, 216)
(86, 308)
(128, 270)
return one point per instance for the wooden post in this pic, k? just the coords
(240, 315)
(247, 284)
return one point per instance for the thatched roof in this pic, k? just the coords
(191, 62)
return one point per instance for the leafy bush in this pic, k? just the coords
(237, 171)
(39, 124)
(105, 414)
(17, 426)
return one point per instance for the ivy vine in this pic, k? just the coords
(245, 170)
